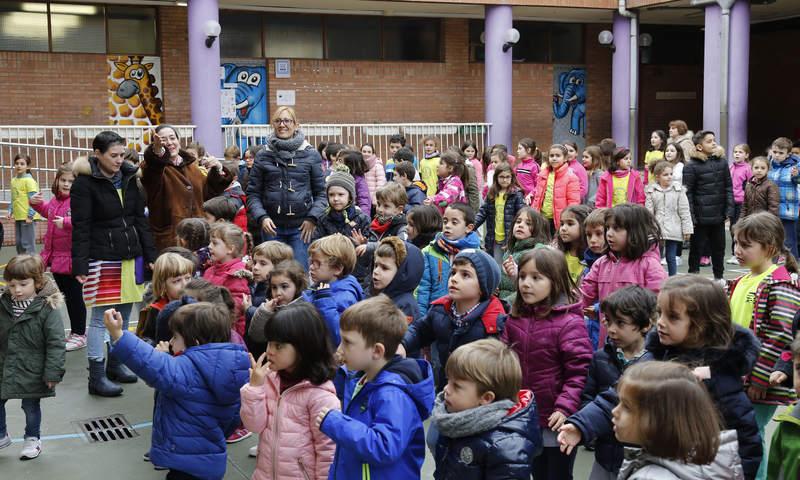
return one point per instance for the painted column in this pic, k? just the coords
(497, 74)
(204, 73)
(711, 71)
(621, 80)
(739, 74)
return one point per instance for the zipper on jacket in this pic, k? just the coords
(276, 430)
(303, 469)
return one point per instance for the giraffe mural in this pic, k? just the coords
(134, 93)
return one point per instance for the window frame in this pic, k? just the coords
(547, 39)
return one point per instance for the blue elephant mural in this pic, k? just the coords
(251, 93)
(571, 95)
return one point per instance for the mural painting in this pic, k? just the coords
(569, 105)
(134, 93)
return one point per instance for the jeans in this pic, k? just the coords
(551, 464)
(96, 334)
(670, 252)
(33, 417)
(73, 296)
(290, 236)
(711, 237)
(790, 230)
(763, 416)
(25, 237)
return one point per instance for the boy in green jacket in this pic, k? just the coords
(784, 451)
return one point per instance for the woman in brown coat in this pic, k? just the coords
(760, 193)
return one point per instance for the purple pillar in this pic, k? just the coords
(621, 80)
(711, 70)
(497, 73)
(739, 73)
(204, 68)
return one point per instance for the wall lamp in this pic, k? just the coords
(212, 29)
(606, 38)
(511, 38)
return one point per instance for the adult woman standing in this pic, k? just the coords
(680, 134)
(176, 187)
(109, 234)
(286, 190)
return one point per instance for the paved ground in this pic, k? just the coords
(68, 455)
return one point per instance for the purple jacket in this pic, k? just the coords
(580, 172)
(57, 251)
(363, 199)
(740, 174)
(554, 352)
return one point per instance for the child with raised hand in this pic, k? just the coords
(592, 161)
(487, 426)
(531, 230)
(453, 175)
(629, 313)
(760, 193)
(546, 330)
(265, 256)
(423, 223)
(23, 187)
(740, 176)
(332, 259)
(527, 168)
(397, 272)
(557, 187)
(287, 282)
(195, 234)
(57, 251)
(375, 174)
(227, 269)
(342, 215)
(571, 239)
(458, 225)
(694, 328)
(503, 201)
(31, 346)
(576, 165)
(385, 398)
(689, 445)
(632, 235)
(290, 384)
(198, 388)
(669, 205)
(784, 450)
(765, 300)
(620, 183)
(171, 273)
(429, 164)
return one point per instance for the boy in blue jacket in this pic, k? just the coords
(334, 288)
(385, 398)
(198, 389)
(415, 191)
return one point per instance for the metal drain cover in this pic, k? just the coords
(107, 429)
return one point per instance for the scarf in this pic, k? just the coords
(469, 422)
(446, 247)
(432, 155)
(285, 148)
(378, 227)
(344, 216)
(459, 320)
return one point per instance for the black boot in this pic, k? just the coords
(118, 372)
(98, 383)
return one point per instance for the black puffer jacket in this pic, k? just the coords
(708, 187)
(288, 192)
(334, 222)
(103, 227)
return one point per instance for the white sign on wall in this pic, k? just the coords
(283, 68)
(286, 97)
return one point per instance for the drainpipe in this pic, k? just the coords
(633, 104)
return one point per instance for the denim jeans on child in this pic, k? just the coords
(96, 333)
(670, 252)
(33, 417)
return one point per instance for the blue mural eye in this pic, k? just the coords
(572, 80)
(241, 77)
(579, 82)
(254, 79)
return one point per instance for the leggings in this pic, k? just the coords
(551, 464)
(73, 296)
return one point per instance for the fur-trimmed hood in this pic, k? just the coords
(718, 152)
(49, 293)
(737, 359)
(88, 166)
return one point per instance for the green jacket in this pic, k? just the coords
(32, 345)
(508, 285)
(784, 452)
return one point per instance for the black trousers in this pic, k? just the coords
(73, 297)
(714, 237)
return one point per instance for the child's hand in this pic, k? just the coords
(776, 378)
(258, 370)
(568, 438)
(247, 302)
(358, 238)
(29, 220)
(36, 199)
(702, 373)
(51, 385)
(360, 250)
(163, 346)
(58, 222)
(556, 420)
(755, 393)
(339, 355)
(401, 350)
(687, 237)
(113, 321)
(528, 199)
(268, 306)
(794, 171)
(321, 416)
(427, 201)
(510, 266)
(589, 312)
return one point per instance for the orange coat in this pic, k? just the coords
(566, 191)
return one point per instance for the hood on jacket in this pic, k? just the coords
(408, 274)
(525, 244)
(718, 152)
(589, 257)
(225, 371)
(651, 252)
(88, 166)
(470, 240)
(347, 283)
(49, 294)
(790, 161)
(414, 377)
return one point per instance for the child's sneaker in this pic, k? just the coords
(238, 435)
(705, 261)
(31, 448)
(5, 441)
(663, 261)
(75, 342)
(253, 451)
(678, 261)
(733, 261)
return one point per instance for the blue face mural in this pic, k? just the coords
(251, 92)
(571, 95)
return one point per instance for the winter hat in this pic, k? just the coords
(344, 180)
(485, 267)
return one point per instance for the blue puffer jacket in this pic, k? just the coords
(488, 212)
(198, 400)
(781, 175)
(401, 288)
(728, 366)
(416, 196)
(379, 432)
(487, 320)
(436, 270)
(332, 301)
(287, 192)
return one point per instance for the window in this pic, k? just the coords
(352, 38)
(131, 30)
(412, 39)
(566, 43)
(539, 42)
(23, 26)
(241, 34)
(77, 28)
(292, 36)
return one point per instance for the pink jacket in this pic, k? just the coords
(580, 172)
(57, 251)
(450, 190)
(527, 170)
(605, 190)
(478, 166)
(375, 175)
(566, 191)
(289, 444)
(611, 272)
(233, 276)
(740, 174)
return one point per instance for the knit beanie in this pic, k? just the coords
(343, 180)
(485, 267)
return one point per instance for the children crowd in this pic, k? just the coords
(330, 303)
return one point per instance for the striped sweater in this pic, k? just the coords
(777, 302)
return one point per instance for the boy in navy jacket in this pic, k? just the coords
(397, 272)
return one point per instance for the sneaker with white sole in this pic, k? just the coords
(253, 451)
(31, 448)
(678, 261)
(663, 261)
(5, 441)
(238, 435)
(732, 261)
(75, 342)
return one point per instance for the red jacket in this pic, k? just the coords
(605, 190)
(566, 191)
(57, 251)
(233, 276)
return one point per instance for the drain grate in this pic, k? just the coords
(107, 429)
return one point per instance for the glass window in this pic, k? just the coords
(539, 42)
(566, 43)
(533, 43)
(292, 36)
(23, 26)
(352, 38)
(412, 39)
(77, 28)
(241, 34)
(131, 29)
